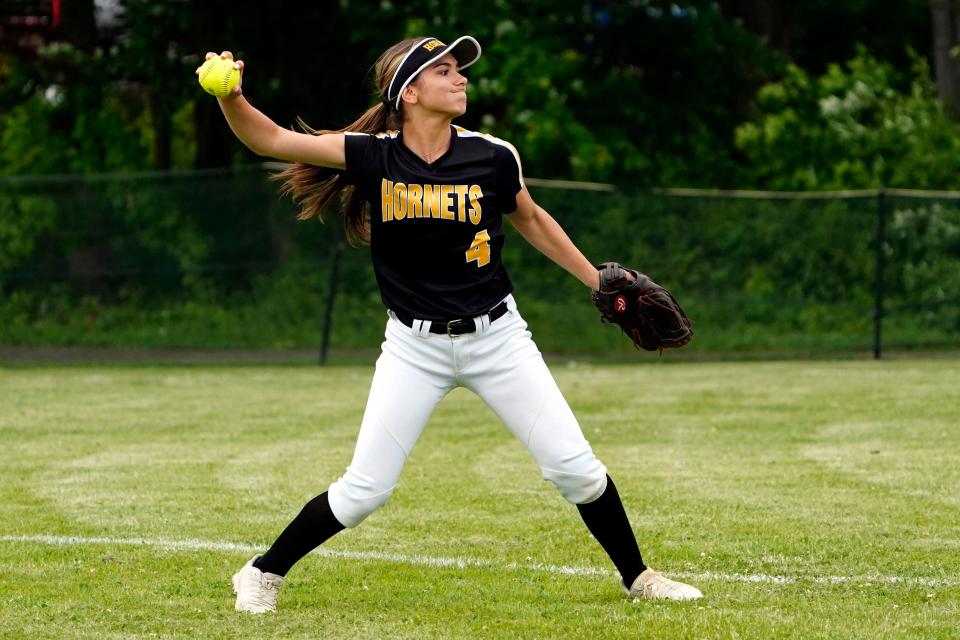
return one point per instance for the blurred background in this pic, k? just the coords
(786, 168)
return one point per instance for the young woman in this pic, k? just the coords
(430, 199)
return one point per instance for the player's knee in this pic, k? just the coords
(582, 481)
(354, 497)
(579, 489)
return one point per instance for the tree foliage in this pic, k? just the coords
(861, 124)
(587, 90)
(69, 121)
(642, 93)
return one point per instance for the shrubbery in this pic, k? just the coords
(859, 125)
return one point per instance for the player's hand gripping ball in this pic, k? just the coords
(220, 74)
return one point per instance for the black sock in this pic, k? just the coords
(313, 525)
(607, 521)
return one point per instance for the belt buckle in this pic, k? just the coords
(450, 326)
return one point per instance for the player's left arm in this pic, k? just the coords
(539, 228)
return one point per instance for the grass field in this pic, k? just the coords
(806, 500)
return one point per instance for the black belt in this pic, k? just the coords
(454, 327)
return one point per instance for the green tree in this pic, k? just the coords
(859, 125)
(636, 93)
(70, 122)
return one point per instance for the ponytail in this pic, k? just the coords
(313, 187)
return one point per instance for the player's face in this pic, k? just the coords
(440, 87)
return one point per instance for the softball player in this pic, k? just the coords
(430, 198)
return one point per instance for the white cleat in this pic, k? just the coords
(653, 586)
(256, 591)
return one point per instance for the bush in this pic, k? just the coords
(859, 125)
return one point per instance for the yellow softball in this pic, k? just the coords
(218, 76)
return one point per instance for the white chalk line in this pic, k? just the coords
(463, 563)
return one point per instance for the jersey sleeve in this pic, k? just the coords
(509, 177)
(361, 155)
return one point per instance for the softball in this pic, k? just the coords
(218, 76)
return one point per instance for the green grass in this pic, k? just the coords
(806, 470)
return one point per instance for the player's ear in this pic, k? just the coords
(409, 94)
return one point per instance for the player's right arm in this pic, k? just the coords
(264, 137)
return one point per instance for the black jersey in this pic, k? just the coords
(436, 230)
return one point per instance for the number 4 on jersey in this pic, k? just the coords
(480, 248)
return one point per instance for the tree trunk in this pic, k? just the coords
(943, 18)
(770, 19)
(215, 141)
(160, 117)
(77, 24)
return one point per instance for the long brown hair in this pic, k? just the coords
(313, 187)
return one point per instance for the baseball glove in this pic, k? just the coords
(647, 313)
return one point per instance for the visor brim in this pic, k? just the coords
(465, 49)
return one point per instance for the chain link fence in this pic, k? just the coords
(216, 259)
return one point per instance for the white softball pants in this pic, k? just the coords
(502, 365)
